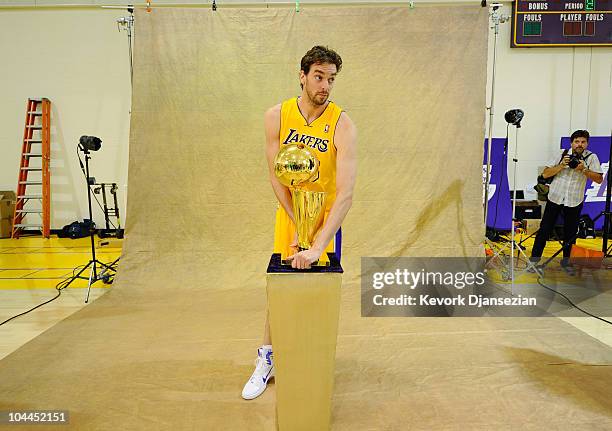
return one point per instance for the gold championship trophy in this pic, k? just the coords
(297, 167)
(303, 306)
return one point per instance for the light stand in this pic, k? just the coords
(607, 215)
(514, 117)
(127, 22)
(497, 19)
(86, 144)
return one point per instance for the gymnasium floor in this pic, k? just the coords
(30, 268)
(591, 326)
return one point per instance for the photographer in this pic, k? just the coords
(566, 193)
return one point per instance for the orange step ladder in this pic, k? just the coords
(30, 191)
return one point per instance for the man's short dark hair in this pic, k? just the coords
(320, 55)
(580, 134)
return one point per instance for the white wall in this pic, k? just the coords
(78, 59)
(560, 90)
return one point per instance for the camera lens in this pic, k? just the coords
(574, 162)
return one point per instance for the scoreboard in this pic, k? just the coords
(561, 23)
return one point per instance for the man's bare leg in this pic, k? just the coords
(267, 340)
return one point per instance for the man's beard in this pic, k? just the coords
(317, 99)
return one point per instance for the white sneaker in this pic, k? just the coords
(264, 371)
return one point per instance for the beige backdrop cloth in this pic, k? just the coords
(171, 345)
(413, 81)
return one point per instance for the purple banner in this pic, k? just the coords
(499, 212)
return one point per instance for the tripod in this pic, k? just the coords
(570, 242)
(99, 270)
(530, 236)
(606, 212)
(514, 117)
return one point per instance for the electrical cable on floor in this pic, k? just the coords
(571, 303)
(59, 287)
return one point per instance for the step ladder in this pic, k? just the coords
(33, 185)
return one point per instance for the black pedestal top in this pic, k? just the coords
(275, 267)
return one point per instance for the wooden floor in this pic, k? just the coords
(589, 325)
(30, 268)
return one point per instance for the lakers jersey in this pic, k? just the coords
(319, 136)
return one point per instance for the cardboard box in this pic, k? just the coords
(5, 228)
(7, 204)
(533, 226)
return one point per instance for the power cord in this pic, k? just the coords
(570, 301)
(59, 287)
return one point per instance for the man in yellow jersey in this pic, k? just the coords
(315, 121)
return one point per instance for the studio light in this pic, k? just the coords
(90, 143)
(514, 117)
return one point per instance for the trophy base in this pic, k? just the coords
(323, 260)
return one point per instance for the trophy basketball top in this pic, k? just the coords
(295, 164)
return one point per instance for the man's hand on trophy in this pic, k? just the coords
(304, 259)
(294, 245)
